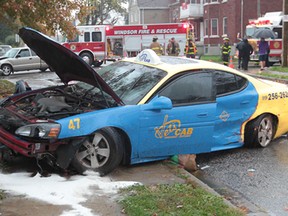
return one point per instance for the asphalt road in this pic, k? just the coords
(258, 176)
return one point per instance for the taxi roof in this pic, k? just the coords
(173, 65)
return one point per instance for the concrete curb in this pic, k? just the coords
(253, 209)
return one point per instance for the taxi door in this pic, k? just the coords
(188, 126)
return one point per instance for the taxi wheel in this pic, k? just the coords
(259, 132)
(6, 69)
(102, 152)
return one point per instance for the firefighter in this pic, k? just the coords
(190, 49)
(155, 46)
(225, 51)
(173, 47)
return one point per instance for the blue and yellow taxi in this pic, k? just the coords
(137, 110)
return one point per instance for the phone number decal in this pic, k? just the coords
(275, 96)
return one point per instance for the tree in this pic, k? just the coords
(5, 31)
(100, 11)
(47, 16)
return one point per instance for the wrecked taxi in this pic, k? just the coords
(137, 110)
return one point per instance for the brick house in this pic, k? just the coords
(211, 19)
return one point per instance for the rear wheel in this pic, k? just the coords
(87, 57)
(7, 69)
(259, 132)
(102, 152)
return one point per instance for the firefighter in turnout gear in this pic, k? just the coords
(225, 51)
(173, 47)
(190, 49)
(156, 47)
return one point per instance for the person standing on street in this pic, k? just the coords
(155, 46)
(263, 52)
(247, 50)
(190, 49)
(225, 51)
(173, 47)
(239, 47)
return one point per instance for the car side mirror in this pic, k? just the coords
(18, 56)
(158, 103)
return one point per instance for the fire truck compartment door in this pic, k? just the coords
(132, 43)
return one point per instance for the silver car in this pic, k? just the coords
(20, 59)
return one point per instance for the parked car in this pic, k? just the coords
(20, 59)
(4, 49)
(138, 110)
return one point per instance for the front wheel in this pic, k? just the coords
(7, 69)
(259, 132)
(87, 57)
(102, 152)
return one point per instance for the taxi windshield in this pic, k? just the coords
(130, 81)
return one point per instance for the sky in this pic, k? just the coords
(58, 190)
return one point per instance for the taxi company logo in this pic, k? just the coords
(224, 116)
(172, 129)
(144, 58)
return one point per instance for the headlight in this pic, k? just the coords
(41, 130)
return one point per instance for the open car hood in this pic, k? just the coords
(66, 64)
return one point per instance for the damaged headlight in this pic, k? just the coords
(40, 130)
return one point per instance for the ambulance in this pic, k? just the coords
(274, 22)
(99, 43)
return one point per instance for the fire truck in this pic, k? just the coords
(98, 43)
(274, 22)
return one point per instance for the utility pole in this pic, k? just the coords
(285, 34)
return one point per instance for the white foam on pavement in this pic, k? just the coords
(58, 190)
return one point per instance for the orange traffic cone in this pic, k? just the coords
(231, 65)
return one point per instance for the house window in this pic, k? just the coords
(225, 25)
(193, 1)
(206, 25)
(206, 1)
(214, 1)
(214, 26)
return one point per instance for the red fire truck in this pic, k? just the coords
(272, 21)
(99, 43)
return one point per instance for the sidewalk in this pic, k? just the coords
(255, 72)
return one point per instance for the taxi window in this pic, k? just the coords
(131, 82)
(227, 83)
(191, 88)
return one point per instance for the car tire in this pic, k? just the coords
(102, 152)
(87, 57)
(98, 63)
(6, 69)
(259, 132)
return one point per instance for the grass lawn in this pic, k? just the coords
(183, 199)
(6, 88)
(176, 199)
